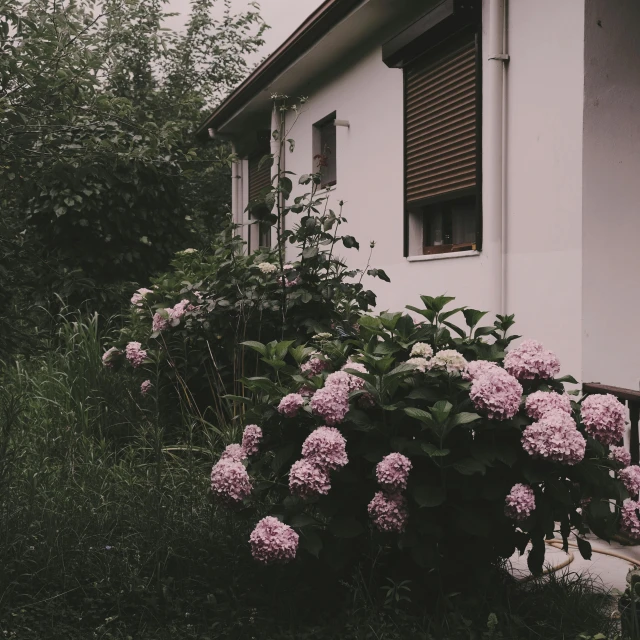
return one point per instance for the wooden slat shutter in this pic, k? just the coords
(259, 178)
(441, 100)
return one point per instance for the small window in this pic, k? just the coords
(324, 150)
(449, 226)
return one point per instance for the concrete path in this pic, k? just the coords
(611, 570)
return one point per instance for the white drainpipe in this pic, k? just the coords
(494, 184)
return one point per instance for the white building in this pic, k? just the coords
(492, 152)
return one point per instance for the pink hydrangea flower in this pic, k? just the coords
(541, 402)
(388, 512)
(604, 417)
(138, 297)
(555, 438)
(160, 321)
(307, 479)
(629, 521)
(109, 356)
(230, 481)
(531, 360)
(314, 366)
(392, 472)
(331, 403)
(177, 312)
(355, 383)
(136, 355)
(235, 452)
(251, 438)
(520, 502)
(476, 368)
(290, 405)
(630, 478)
(620, 455)
(326, 448)
(273, 541)
(448, 360)
(497, 393)
(145, 387)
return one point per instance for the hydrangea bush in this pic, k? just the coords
(450, 446)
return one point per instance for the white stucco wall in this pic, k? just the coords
(611, 193)
(544, 107)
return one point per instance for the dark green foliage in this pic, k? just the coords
(101, 175)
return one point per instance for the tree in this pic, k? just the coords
(101, 173)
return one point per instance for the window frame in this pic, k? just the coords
(316, 145)
(417, 208)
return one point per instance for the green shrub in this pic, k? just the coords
(461, 453)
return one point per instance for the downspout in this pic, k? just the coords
(237, 209)
(494, 150)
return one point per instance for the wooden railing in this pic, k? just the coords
(632, 399)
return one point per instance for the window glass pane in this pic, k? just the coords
(328, 153)
(463, 222)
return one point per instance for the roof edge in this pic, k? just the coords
(318, 24)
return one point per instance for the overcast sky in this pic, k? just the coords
(283, 16)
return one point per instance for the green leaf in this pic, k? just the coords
(283, 455)
(569, 379)
(584, 546)
(469, 466)
(256, 346)
(473, 316)
(302, 520)
(428, 495)
(433, 451)
(419, 414)
(464, 418)
(310, 541)
(350, 242)
(345, 527)
(441, 410)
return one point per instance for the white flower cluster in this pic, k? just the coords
(267, 267)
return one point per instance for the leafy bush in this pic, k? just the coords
(439, 450)
(196, 321)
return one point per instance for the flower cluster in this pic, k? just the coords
(421, 350)
(160, 320)
(267, 267)
(314, 366)
(531, 360)
(630, 478)
(331, 402)
(307, 479)
(290, 405)
(388, 511)
(109, 356)
(392, 472)
(555, 438)
(497, 393)
(230, 481)
(235, 452)
(629, 520)
(176, 313)
(476, 368)
(620, 455)
(421, 364)
(326, 448)
(604, 418)
(540, 403)
(186, 252)
(145, 387)
(138, 297)
(135, 354)
(448, 360)
(355, 383)
(520, 502)
(273, 541)
(323, 450)
(251, 438)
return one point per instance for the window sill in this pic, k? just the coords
(443, 256)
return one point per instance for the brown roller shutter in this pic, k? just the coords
(259, 177)
(441, 102)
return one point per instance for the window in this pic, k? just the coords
(259, 182)
(442, 149)
(324, 150)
